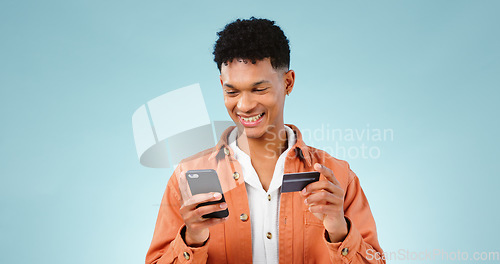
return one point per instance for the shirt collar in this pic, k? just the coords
(302, 151)
(238, 152)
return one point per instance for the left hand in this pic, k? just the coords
(325, 199)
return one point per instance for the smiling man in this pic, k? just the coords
(329, 221)
(254, 95)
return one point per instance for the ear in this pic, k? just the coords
(220, 77)
(289, 78)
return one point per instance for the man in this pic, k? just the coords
(329, 221)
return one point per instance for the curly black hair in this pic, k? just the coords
(252, 39)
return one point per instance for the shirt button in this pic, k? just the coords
(186, 255)
(244, 217)
(236, 175)
(345, 251)
(269, 235)
(269, 197)
(226, 151)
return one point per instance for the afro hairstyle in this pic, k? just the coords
(252, 39)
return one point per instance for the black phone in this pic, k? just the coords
(205, 181)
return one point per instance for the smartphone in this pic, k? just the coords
(205, 181)
(295, 182)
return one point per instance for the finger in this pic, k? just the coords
(202, 198)
(318, 186)
(323, 185)
(323, 198)
(325, 171)
(325, 209)
(207, 209)
(193, 215)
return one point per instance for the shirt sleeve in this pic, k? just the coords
(361, 244)
(167, 245)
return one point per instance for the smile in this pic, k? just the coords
(251, 121)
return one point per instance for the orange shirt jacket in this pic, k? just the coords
(301, 234)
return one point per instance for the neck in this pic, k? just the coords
(270, 145)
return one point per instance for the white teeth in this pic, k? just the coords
(252, 119)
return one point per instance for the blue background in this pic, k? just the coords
(73, 72)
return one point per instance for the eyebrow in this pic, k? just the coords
(253, 85)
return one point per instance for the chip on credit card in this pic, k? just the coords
(295, 182)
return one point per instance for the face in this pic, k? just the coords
(254, 95)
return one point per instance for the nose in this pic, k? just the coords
(246, 102)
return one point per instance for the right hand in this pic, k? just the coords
(196, 226)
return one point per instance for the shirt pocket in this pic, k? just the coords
(310, 219)
(217, 246)
(315, 249)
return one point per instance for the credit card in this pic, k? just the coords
(295, 182)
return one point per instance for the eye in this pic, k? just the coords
(260, 89)
(231, 92)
